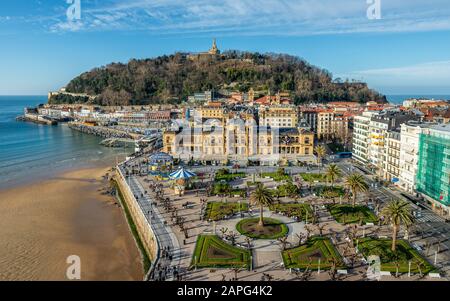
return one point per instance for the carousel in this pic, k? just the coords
(160, 162)
(181, 180)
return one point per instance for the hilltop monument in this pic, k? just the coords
(213, 52)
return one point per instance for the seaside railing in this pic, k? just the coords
(154, 262)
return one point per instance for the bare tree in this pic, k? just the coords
(300, 237)
(223, 231)
(284, 242)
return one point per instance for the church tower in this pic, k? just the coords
(214, 50)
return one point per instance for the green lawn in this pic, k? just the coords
(347, 214)
(217, 210)
(294, 210)
(313, 176)
(212, 252)
(329, 192)
(229, 177)
(404, 253)
(277, 177)
(272, 229)
(308, 255)
(225, 188)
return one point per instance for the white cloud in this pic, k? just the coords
(260, 17)
(426, 74)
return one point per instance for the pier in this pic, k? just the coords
(101, 131)
(118, 142)
(39, 119)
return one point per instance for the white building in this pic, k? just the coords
(361, 136)
(409, 154)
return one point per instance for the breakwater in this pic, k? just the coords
(39, 119)
(101, 131)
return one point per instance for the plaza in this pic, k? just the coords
(314, 236)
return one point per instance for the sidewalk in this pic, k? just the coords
(166, 238)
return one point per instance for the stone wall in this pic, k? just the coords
(144, 229)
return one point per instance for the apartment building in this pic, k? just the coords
(370, 135)
(324, 124)
(361, 136)
(310, 116)
(409, 154)
(433, 169)
(278, 116)
(391, 164)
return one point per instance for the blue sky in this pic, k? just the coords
(407, 51)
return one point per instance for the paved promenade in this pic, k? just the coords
(169, 249)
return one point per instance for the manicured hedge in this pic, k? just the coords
(239, 257)
(218, 210)
(284, 228)
(313, 176)
(404, 253)
(349, 215)
(277, 177)
(293, 210)
(291, 257)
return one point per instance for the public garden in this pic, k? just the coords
(281, 225)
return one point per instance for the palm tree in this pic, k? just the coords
(320, 152)
(356, 183)
(261, 197)
(397, 212)
(333, 173)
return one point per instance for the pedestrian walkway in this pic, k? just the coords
(429, 217)
(169, 254)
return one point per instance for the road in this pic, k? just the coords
(431, 230)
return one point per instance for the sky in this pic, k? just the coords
(401, 48)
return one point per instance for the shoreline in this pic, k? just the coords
(44, 222)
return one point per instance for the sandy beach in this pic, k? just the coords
(43, 223)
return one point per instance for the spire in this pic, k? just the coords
(214, 50)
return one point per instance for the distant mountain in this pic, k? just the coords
(169, 79)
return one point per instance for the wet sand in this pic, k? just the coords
(44, 223)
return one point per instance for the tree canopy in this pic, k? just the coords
(169, 79)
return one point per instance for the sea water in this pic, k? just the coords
(30, 152)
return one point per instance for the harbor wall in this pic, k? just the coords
(148, 238)
(101, 131)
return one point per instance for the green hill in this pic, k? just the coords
(167, 79)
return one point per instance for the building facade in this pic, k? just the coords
(239, 141)
(391, 163)
(278, 116)
(361, 137)
(409, 154)
(433, 170)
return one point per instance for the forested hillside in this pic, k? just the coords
(169, 79)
